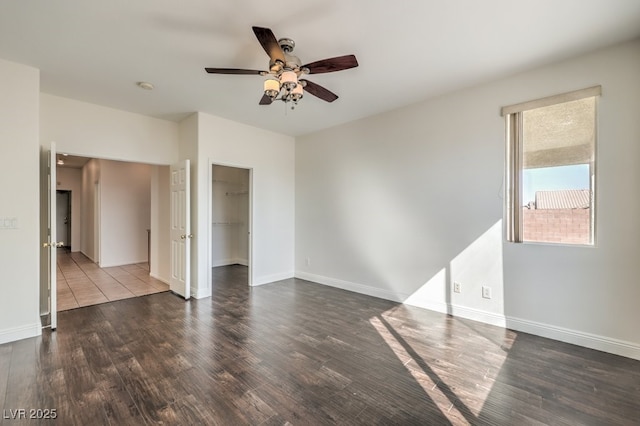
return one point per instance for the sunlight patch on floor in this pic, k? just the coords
(459, 393)
(427, 383)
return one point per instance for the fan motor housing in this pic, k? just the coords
(292, 62)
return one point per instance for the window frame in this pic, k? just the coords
(513, 115)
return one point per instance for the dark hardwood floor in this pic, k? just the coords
(299, 353)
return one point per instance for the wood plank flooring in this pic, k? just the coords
(299, 353)
(83, 283)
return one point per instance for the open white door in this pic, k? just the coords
(48, 286)
(180, 282)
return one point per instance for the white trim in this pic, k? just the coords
(267, 279)
(478, 315)
(209, 228)
(19, 333)
(233, 261)
(223, 262)
(240, 261)
(354, 287)
(465, 312)
(442, 307)
(156, 277)
(200, 293)
(126, 263)
(88, 257)
(587, 340)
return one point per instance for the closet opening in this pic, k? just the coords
(230, 226)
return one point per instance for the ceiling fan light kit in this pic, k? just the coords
(283, 78)
(271, 87)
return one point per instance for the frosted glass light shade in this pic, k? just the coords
(271, 87)
(289, 80)
(297, 93)
(271, 84)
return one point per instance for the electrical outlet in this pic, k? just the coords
(486, 292)
(457, 287)
(308, 261)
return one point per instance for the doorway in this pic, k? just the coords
(117, 214)
(63, 218)
(231, 222)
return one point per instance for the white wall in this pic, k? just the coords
(125, 212)
(402, 204)
(89, 232)
(188, 150)
(160, 223)
(71, 180)
(271, 157)
(95, 131)
(19, 199)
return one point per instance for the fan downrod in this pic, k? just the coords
(287, 45)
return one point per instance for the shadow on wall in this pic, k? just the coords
(397, 240)
(471, 285)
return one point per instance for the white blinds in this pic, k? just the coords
(559, 135)
(552, 100)
(558, 130)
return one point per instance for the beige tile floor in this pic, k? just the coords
(82, 283)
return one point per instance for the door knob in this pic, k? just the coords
(53, 244)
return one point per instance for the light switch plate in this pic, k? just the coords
(8, 223)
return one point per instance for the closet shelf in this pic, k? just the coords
(228, 223)
(230, 193)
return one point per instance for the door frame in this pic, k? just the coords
(209, 229)
(45, 214)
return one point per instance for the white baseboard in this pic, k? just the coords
(266, 279)
(154, 276)
(19, 333)
(89, 257)
(200, 293)
(124, 263)
(226, 262)
(351, 286)
(587, 340)
(580, 338)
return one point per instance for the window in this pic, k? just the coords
(551, 146)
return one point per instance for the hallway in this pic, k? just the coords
(83, 283)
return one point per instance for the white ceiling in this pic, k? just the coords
(408, 50)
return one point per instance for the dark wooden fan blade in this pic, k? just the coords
(269, 43)
(236, 71)
(265, 100)
(333, 64)
(319, 91)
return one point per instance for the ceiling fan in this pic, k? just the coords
(283, 77)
